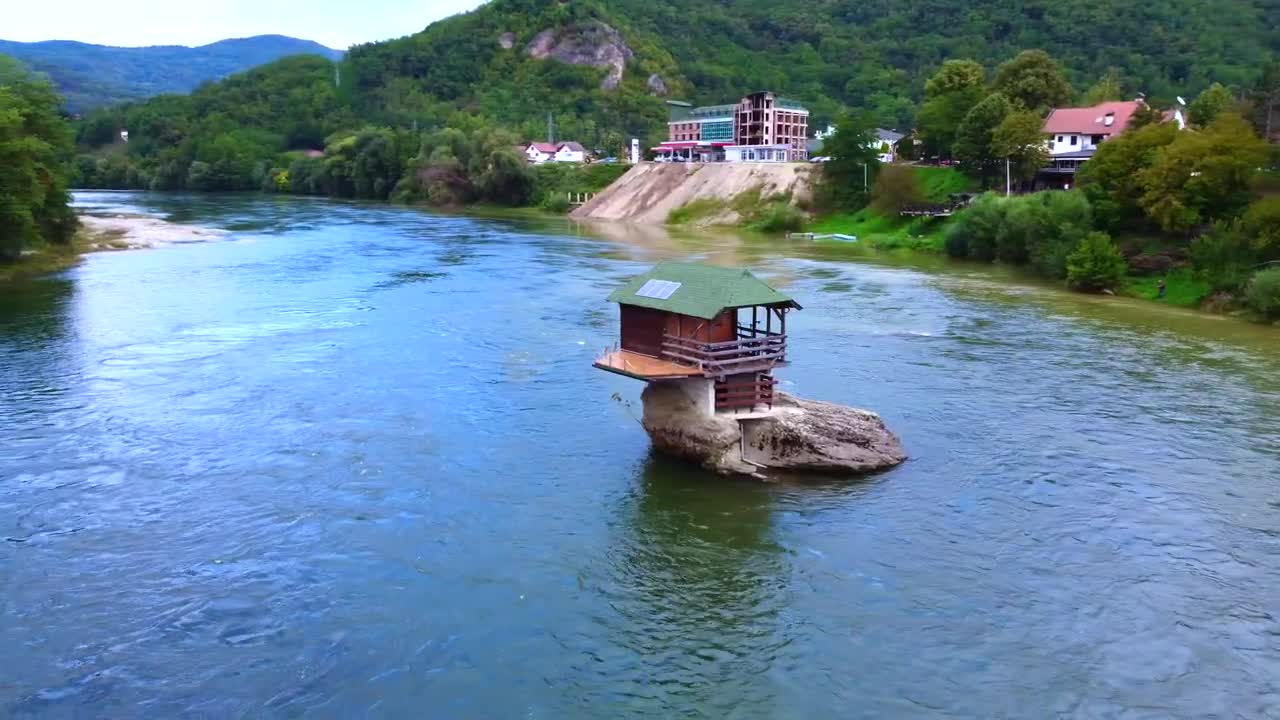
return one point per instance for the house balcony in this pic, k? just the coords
(748, 354)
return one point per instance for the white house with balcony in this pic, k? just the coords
(1075, 130)
(1074, 134)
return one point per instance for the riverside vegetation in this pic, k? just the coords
(1186, 217)
(35, 145)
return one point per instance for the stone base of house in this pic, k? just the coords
(797, 435)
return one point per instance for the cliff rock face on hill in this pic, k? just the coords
(799, 436)
(591, 43)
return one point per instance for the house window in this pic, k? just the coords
(1074, 138)
(1097, 139)
(1059, 138)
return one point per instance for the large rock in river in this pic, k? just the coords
(799, 435)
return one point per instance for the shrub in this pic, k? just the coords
(557, 203)
(1023, 221)
(896, 187)
(1067, 218)
(1096, 263)
(955, 241)
(1263, 293)
(972, 233)
(1224, 257)
(779, 217)
(696, 210)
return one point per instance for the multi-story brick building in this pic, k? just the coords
(760, 127)
(764, 120)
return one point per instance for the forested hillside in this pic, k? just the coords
(868, 54)
(91, 76)
(601, 69)
(875, 54)
(515, 61)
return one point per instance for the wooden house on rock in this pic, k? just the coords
(718, 332)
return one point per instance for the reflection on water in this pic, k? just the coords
(353, 461)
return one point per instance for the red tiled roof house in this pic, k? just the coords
(1074, 134)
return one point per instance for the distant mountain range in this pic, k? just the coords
(91, 76)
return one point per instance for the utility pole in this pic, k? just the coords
(1008, 179)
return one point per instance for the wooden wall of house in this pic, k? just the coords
(719, 329)
(686, 326)
(724, 327)
(642, 329)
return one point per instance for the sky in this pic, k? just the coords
(336, 23)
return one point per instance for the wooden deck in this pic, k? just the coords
(643, 367)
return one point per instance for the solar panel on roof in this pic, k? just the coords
(658, 289)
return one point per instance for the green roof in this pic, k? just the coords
(725, 111)
(704, 290)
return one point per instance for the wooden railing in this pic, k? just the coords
(731, 357)
(749, 393)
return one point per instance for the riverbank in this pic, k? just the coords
(1184, 288)
(105, 233)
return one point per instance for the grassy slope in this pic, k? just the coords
(1182, 288)
(940, 182)
(883, 233)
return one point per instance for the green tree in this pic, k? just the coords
(1096, 264)
(950, 94)
(905, 149)
(854, 160)
(896, 188)
(1202, 176)
(1108, 88)
(1266, 102)
(1020, 139)
(1033, 81)
(955, 76)
(1146, 114)
(1261, 223)
(1209, 104)
(35, 145)
(501, 174)
(975, 141)
(1112, 178)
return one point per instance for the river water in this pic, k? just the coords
(353, 461)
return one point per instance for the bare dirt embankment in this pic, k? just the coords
(650, 191)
